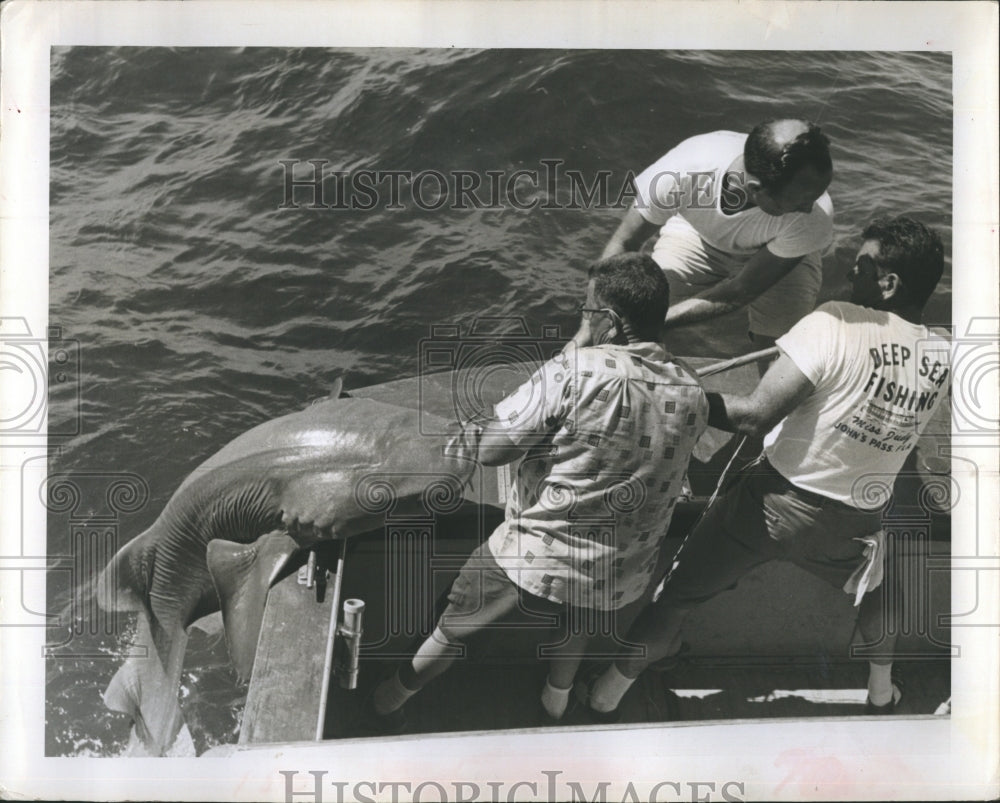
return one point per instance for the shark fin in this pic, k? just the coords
(210, 625)
(122, 584)
(242, 574)
(336, 391)
(147, 691)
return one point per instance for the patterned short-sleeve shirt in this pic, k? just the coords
(591, 503)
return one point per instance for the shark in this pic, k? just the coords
(327, 472)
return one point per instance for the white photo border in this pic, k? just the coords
(919, 759)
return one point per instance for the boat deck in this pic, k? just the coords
(484, 696)
(776, 646)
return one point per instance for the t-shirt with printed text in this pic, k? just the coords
(877, 381)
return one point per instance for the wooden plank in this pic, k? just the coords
(283, 699)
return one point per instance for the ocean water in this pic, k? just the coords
(201, 307)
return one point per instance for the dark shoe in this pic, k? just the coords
(390, 724)
(582, 692)
(546, 720)
(889, 707)
(669, 663)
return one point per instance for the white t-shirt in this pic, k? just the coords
(688, 181)
(878, 379)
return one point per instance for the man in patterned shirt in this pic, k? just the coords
(605, 432)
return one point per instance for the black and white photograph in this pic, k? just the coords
(444, 404)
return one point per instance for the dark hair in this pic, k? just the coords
(775, 163)
(633, 285)
(912, 251)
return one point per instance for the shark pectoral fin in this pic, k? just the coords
(281, 558)
(147, 690)
(242, 574)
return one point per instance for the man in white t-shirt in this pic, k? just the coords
(742, 222)
(842, 407)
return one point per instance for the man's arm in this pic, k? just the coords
(526, 418)
(761, 271)
(584, 337)
(783, 388)
(487, 444)
(631, 233)
(497, 449)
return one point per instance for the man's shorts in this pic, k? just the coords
(484, 598)
(692, 265)
(764, 517)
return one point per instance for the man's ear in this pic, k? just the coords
(751, 184)
(891, 284)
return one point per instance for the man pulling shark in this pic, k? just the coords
(848, 375)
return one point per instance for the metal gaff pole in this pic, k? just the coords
(709, 370)
(331, 635)
(736, 362)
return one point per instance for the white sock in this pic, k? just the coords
(609, 689)
(391, 694)
(554, 699)
(880, 683)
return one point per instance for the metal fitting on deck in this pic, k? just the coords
(348, 648)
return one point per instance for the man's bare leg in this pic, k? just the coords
(562, 670)
(433, 658)
(873, 623)
(658, 629)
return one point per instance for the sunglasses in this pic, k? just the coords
(865, 263)
(615, 317)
